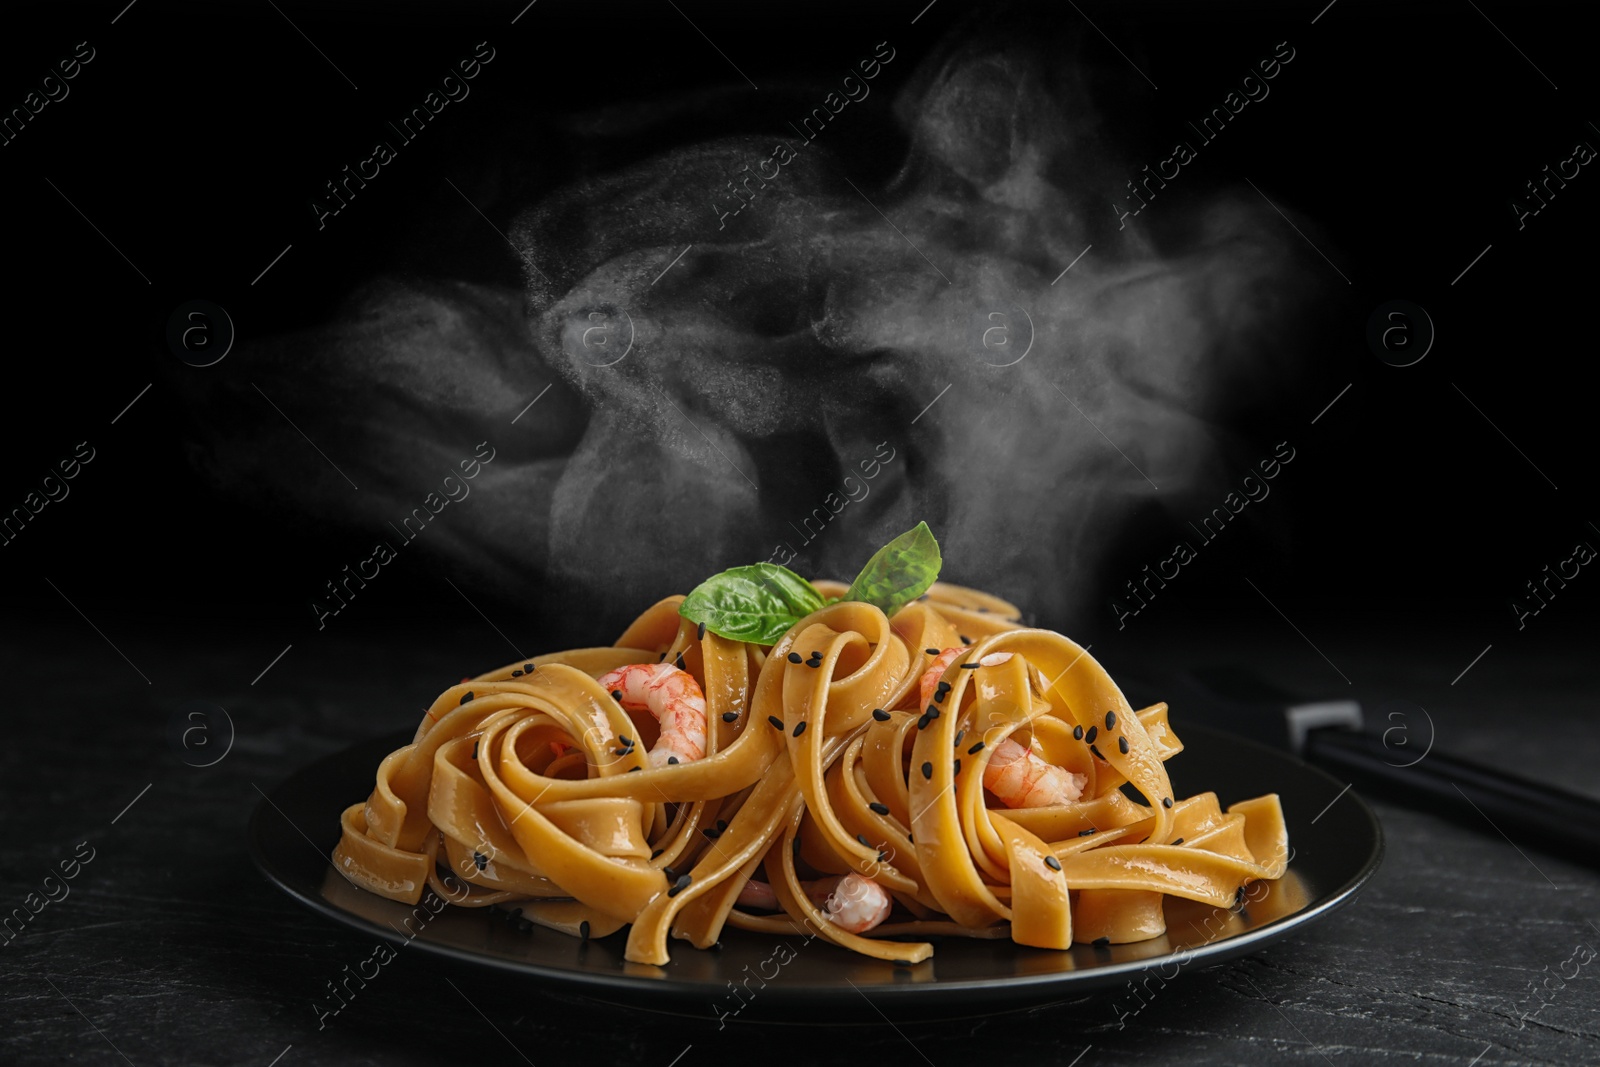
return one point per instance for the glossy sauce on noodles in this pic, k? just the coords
(531, 784)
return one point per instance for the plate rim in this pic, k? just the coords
(791, 994)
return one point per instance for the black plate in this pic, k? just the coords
(1332, 854)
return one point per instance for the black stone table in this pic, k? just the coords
(169, 947)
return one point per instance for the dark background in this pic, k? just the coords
(198, 135)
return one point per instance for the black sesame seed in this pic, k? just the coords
(466, 698)
(1122, 744)
(863, 839)
(813, 663)
(661, 657)
(516, 674)
(680, 885)
(480, 860)
(959, 735)
(616, 694)
(679, 662)
(1077, 733)
(527, 668)
(777, 723)
(669, 873)
(1086, 833)
(1166, 802)
(880, 714)
(672, 761)
(657, 852)
(1094, 732)
(931, 651)
(583, 930)
(938, 697)
(795, 657)
(970, 666)
(975, 749)
(881, 809)
(882, 856)
(1101, 942)
(701, 633)
(799, 727)
(927, 771)
(902, 963)
(712, 832)
(958, 766)
(1053, 863)
(965, 640)
(627, 741)
(1111, 720)
(1097, 754)
(922, 722)
(933, 712)
(730, 716)
(722, 824)
(943, 685)
(632, 769)
(1179, 841)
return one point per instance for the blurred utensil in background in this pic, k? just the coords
(1362, 744)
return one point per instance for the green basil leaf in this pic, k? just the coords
(758, 603)
(899, 572)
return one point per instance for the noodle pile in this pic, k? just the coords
(532, 784)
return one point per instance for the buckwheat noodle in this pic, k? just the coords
(533, 786)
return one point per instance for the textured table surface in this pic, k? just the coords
(171, 948)
(1396, 156)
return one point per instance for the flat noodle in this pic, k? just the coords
(535, 786)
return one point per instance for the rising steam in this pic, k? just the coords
(721, 405)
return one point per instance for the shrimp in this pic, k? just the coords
(852, 902)
(1014, 774)
(758, 895)
(928, 687)
(674, 698)
(1022, 780)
